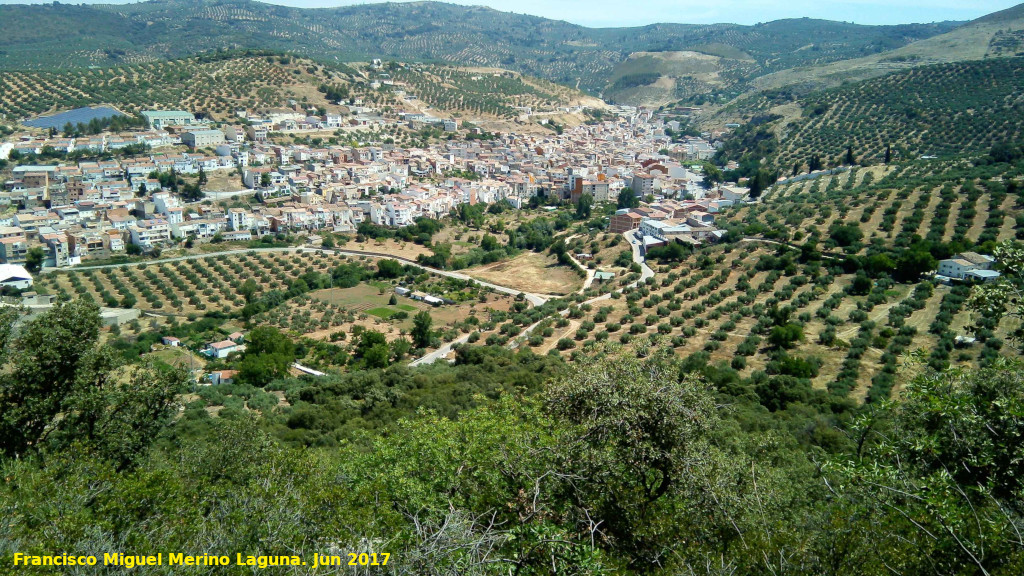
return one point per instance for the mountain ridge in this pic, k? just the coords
(105, 35)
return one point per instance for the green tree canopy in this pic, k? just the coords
(62, 389)
(421, 333)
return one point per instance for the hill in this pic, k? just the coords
(997, 34)
(720, 63)
(938, 110)
(217, 84)
(105, 35)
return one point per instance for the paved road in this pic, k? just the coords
(645, 270)
(440, 353)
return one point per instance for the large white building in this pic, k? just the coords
(15, 276)
(968, 265)
(162, 118)
(202, 138)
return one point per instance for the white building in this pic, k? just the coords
(962, 265)
(148, 233)
(202, 138)
(162, 118)
(15, 276)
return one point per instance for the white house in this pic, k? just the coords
(222, 349)
(15, 276)
(963, 265)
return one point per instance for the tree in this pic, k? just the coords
(62, 389)
(393, 300)
(761, 181)
(888, 153)
(369, 349)
(34, 259)
(388, 268)
(489, 243)
(850, 159)
(1005, 296)
(786, 336)
(377, 356)
(264, 180)
(861, 285)
(940, 471)
(584, 206)
(470, 214)
(202, 176)
(814, 163)
(268, 356)
(712, 175)
(421, 334)
(248, 289)
(627, 199)
(192, 193)
(636, 436)
(846, 234)
(912, 264)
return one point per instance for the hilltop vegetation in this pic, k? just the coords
(106, 35)
(1000, 34)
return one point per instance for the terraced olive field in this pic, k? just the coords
(216, 285)
(944, 110)
(213, 85)
(219, 84)
(481, 93)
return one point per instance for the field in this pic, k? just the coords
(480, 93)
(323, 313)
(924, 111)
(172, 292)
(530, 272)
(187, 287)
(213, 85)
(220, 83)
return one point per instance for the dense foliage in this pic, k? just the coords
(632, 466)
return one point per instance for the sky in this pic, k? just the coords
(599, 13)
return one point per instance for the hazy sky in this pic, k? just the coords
(638, 12)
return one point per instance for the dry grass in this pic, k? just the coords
(530, 272)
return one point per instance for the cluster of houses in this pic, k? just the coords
(101, 208)
(664, 221)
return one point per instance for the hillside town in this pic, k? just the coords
(97, 209)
